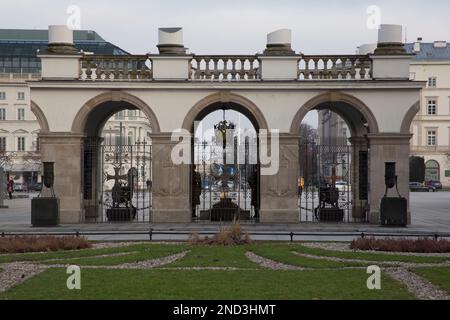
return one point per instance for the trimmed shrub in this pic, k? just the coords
(421, 245)
(24, 244)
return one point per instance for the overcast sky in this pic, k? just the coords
(235, 26)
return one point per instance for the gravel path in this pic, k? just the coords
(345, 247)
(420, 287)
(15, 273)
(146, 264)
(119, 254)
(368, 262)
(270, 264)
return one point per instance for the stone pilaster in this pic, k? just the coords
(279, 198)
(65, 150)
(387, 147)
(359, 204)
(171, 192)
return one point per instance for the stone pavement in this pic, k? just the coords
(430, 214)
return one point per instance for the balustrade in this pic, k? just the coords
(335, 67)
(116, 68)
(224, 68)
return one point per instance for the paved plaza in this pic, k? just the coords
(430, 213)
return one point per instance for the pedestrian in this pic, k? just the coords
(10, 188)
(149, 184)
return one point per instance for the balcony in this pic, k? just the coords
(226, 68)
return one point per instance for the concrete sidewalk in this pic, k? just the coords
(430, 215)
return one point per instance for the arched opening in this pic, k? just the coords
(432, 171)
(225, 181)
(117, 166)
(333, 159)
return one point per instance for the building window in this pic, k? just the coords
(120, 115)
(2, 95)
(132, 114)
(21, 144)
(432, 82)
(21, 95)
(2, 114)
(2, 144)
(431, 138)
(21, 114)
(36, 144)
(432, 171)
(432, 107)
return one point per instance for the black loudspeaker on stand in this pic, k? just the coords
(393, 210)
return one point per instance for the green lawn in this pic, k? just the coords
(439, 276)
(101, 284)
(285, 253)
(327, 280)
(372, 256)
(87, 255)
(216, 256)
(146, 252)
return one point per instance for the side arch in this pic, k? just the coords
(40, 116)
(79, 123)
(334, 96)
(224, 97)
(409, 117)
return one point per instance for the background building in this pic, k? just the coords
(431, 126)
(19, 129)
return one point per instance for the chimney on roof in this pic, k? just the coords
(60, 40)
(279, 43)
(417, 44)
(171, 41)
(390, 40)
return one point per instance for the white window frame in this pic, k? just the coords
(432, 103)
(21, 114)
(431, 137)
(21, 144)
(2, 114)
(21, 95)
(5, 144)
(2, 95)
(432, 82)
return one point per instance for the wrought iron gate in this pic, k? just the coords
(325, 183)
(221, 191)
(117, 181)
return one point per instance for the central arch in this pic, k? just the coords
(233, 189)
(209, 103)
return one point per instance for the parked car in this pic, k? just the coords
(419, 187)
(18, 187)
(35, 187)
(343, 186)
(435, 184)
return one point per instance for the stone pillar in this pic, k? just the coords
(387, 147)
(171, 183)
(65, 150)
(92, 174)
(279, 194)
(359, 204)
